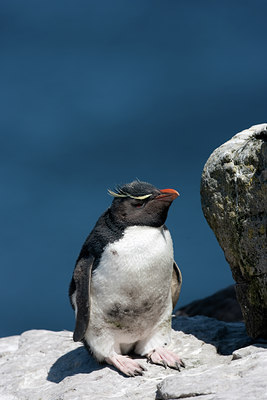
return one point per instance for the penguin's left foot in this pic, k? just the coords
(126, 365)
(165, 357)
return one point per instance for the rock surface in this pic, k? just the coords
(222, 305)
(234, 202)
(45, 365)
(224, 383)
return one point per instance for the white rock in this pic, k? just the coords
(45, 365)
(8, 344)
(244, 378)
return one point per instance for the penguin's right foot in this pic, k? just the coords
(126, 365)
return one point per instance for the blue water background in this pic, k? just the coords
(97, 93)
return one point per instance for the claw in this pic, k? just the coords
(177, 365)
(136, 372)
(164, 363)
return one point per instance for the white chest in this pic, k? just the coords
(140, 252)
(134, 274)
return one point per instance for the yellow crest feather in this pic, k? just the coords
(114, 194)
(140, 197)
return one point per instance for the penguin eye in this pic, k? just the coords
(138, 204)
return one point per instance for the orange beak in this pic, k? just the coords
(167, 194)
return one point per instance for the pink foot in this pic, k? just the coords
(166, 358)
(126, 365)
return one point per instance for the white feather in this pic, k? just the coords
(134, 276)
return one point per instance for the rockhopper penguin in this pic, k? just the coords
(126, 283)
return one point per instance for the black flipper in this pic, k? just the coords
(82, 280)
(176, 284)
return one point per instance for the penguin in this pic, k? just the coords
(126, 283)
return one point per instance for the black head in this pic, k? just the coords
(140, 203)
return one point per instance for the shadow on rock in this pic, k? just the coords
(77, 361)
(226, 337)
(222, 305)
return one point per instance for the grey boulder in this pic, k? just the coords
(234, 202)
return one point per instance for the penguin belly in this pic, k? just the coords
(131, 293)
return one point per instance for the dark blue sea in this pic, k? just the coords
(97, 93)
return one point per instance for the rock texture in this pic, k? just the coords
(45, 365)
(222, 305)
(227, 380)
(234, 202)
